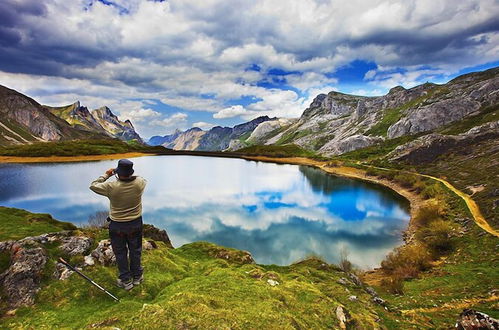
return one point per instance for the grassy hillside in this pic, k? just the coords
(77, 148)
(199, 285)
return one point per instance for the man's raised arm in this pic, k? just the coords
(100, 186)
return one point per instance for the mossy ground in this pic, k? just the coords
(189, 288)
(77, 148)
(17, 224)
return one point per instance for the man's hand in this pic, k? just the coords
(110, 172)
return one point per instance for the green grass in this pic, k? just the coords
(390, 117)
(290, 137)
(378, 150)
(76, 148)
(17, 224)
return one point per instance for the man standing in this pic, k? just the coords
(125, 216)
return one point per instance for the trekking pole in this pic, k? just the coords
(87, 278)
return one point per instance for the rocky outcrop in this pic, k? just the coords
(428, 147)
(28, 257)
(261, 133)
(472, 319)
(160, 235)
(21, 281)
(75, 245)
(235, 145)
(351, 143)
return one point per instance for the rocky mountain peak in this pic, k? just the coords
(396, 89)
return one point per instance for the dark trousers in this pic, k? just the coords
(126, 241)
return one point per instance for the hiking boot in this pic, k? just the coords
(127, 285)
(138, 280)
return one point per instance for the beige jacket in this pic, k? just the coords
(125, 197)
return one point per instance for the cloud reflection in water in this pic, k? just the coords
(280, 213)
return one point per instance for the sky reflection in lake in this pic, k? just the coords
(280, 213)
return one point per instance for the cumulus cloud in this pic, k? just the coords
(233, 111)
(203, 125)
(195, 56)
(176, 120)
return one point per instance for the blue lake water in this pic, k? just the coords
(280, 213)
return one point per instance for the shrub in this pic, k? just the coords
(345, 264)
(405, 180)
(437, 236)
(407, 261)
(393, 284)
(432, 191)
(98, 219)
(431, 210)
(371, 172)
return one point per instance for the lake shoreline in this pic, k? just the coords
(414, 199)
(68, 159)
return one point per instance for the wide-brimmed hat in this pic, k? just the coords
(125, 168)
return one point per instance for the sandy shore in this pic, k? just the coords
(64, 159)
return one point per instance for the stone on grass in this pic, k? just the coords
(272, 282)
(75, 245)
(472, 319)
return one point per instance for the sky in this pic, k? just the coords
(177, 64)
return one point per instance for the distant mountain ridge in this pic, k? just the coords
(23, 121)
(216, 139)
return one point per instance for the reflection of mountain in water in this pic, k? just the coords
(328, 184)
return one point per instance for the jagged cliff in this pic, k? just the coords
(115, 127)
(101, 120)
(23, 120)
(337, 123)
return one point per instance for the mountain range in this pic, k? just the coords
(333, 124)
(216, 139)
(25, 121)
(336, 123)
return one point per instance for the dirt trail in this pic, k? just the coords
(470, 203)
(458, 305)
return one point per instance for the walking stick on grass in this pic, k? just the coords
(87, 278)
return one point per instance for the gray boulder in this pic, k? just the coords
(75, 245)
(21, 281)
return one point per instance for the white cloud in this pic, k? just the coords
(195, 56)
(176, 120)
(140, 115)
(203, 125)
(233, 111)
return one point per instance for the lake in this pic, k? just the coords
(280, 213)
